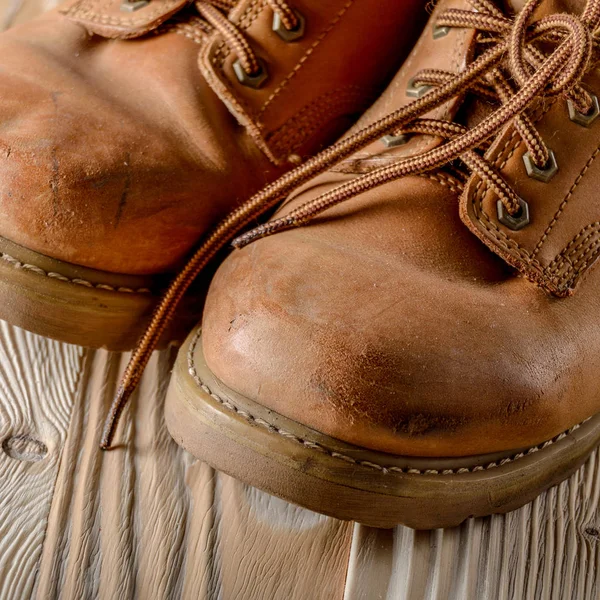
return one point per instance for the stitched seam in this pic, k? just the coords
(385, 469)
(501, 238)
(571, 250)
(579, 257)
(306, 56)
(223, 88)
(573, 273)
(564, 203)
(198, 39)
(445, 180)
(88, 14)
(188, 31)
(303, 124)
(17, 264)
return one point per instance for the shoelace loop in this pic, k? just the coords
(511, 50)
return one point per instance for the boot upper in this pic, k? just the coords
(125, 134)
(385, 322)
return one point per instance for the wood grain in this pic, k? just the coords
(548, 549)
(148, 521)
(35, 408)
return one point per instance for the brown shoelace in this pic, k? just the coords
(510, 50)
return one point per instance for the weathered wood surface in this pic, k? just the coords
(147, 521)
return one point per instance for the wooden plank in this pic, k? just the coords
(548, 549)
(145, 520)
(35, 408)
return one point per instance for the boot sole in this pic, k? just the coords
(268, 451)
(78, 305)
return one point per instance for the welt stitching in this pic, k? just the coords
(17, 264)
(384, 469)
(306, 56)
(564, 203)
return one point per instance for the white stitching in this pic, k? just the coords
(17, 264)
(385, 469)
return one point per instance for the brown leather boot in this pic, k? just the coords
(422, 343)
(128, 128)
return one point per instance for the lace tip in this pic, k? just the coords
(112, 419)
(107, 437)
(242, 240)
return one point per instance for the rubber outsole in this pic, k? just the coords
(300, 465)
(82, 306)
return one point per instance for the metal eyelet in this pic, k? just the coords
(392, 141)
(582, 119)
(133, 5)
(514, 222)
(545, 174)
(416, 91)
(289, 35)
(252, 81)
(440, 32)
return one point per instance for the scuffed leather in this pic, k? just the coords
(118, 155)
(386, 323)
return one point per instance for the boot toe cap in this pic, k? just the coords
(384, 357)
